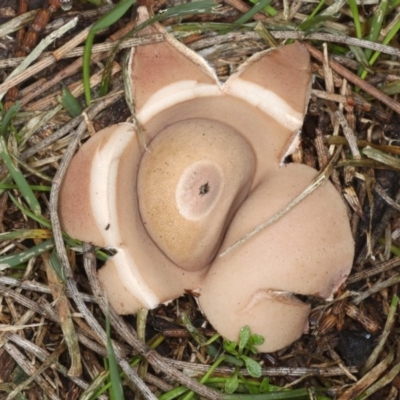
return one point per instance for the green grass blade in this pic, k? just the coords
(56, 265)
(392, 33)
(298, 394)
(69, 102)
(254, 10)
(310, 20)
(86, 67)
(268, 9)
(377, 22)
(38, 188)
(8, 117)
(29, 213)
(356, 17)
(19, 179)
(116, 385)
(14, 260)
(104, 22)
(26, 234)
(195, 7)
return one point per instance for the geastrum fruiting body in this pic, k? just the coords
(212, 173)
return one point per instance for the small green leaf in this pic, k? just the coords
(255, 340)
(244, 337)
(253, 367)
(231, 384)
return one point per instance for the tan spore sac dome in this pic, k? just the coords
(194, 177)
(211, 175)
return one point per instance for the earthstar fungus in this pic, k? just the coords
(213, 172)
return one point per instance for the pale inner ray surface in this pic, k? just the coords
(267, 101)
(104, 205)
(173, 94)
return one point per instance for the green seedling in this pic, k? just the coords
(240, 351)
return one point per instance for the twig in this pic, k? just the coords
(395, 279)
(321, 178)
(378, 269)
(37, 287)
(391, 319)
(35, 53)
(43, 355)
(45, 62)
(368, 379)
(373, 91)
(324, 37)
(269, 371)
(96, 49)
(92, 111)
(33, 372)
(62, 307)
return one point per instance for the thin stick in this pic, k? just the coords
(38, 50)
(373, 91)
(319, 180)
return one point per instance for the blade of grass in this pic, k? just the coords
(254, 10)
(29, 213)
(116, 385)
(377, 22)
(8, 117)
(104, 22)
(70, 103)
(26, 234)
(356, 17)
(195, 7)
(56, 265)
(268, 9)
(19, 179)
(206, 376)
(386, 41)
(298, 394)
(14, 260)
(309, 19)
(38, 188)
